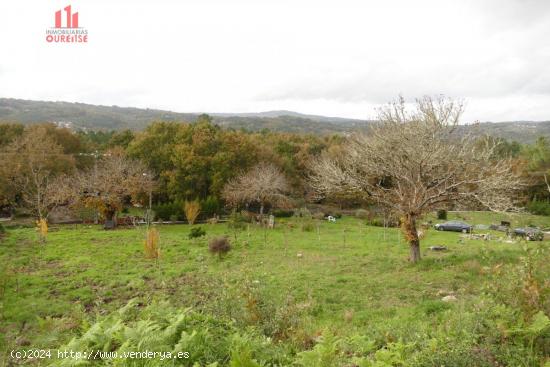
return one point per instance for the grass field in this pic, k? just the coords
(342, 278)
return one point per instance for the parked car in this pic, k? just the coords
(454, 226)
(529, 233)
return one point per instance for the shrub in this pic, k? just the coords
(525, 285)
(167, 211)
(379, 222)
(275, 316)
(303, 213)
(237, 221)
(442, 214)
(219, 246)
(151, 246)
(362, 213)
(324, 354)
(87, 215)
(319, 215)
(280, 213)
(197, 232)
(308, 226)
(160, 327)
(213, 220)
(210, 206)
(539, 207)
(247, 217)
(192, 210)
(481, 333)
(21, 213)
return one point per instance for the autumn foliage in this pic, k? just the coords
(151, 245)
(192, 210)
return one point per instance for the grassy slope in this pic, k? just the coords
(48, 289)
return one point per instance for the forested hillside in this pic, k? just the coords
(92, 117)
(81, 116)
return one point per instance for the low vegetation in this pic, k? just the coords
(151, 245)
(219, 246)
(339, 296)
(192, 210)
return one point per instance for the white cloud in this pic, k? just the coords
(325, 57)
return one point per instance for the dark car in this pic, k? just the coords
(529, 233)
(454, 226)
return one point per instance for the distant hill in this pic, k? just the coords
(84, 116)
(93, 117)
(520, 131)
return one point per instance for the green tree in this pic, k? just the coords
(155, 147)
(121, 139)
(10, 131)
(538, 164)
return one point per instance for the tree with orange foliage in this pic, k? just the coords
(115, 178)
(32, 167)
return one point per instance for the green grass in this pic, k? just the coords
(346, 277)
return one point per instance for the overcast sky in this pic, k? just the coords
(336, 58)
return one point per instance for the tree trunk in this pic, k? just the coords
(414, 255)
(110, 215)
(411, 235)
(110, 219)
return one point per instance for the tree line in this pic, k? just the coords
(195, 160)
(188, 161)
(411, 161)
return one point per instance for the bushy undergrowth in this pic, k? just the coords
(219, 246)
(361, 213)
(196, 232)
(200, 339)
(507, 325)
(281, 213)
(382, 222)
(210, 206)
(477, 333)
(237, 221)
(170, 211)
(539, 207)
(176, 209)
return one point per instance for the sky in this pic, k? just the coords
(335, 58)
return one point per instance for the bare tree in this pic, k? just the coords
(30, 167)
(264, 184)
(414, 161)
(115, 178)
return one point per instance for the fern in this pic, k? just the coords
(209, 342)
(324, 354)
